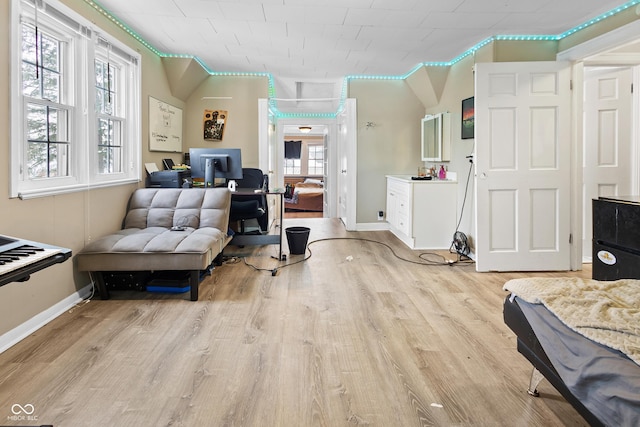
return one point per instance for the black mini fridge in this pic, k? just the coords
(616, 238)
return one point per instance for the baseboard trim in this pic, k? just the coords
(17, 334)
(372, 226)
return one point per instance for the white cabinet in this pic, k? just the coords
(422, 213)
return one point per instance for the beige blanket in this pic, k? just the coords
(605, 312)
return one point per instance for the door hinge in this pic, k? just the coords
(570, 239)
(570, 84)
(631, 87)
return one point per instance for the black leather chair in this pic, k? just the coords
(244, 207)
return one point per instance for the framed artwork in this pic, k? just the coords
(165, 126)
(468, 115)
(214, 122)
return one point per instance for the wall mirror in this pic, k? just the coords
(436, 137)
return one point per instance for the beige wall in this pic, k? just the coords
(241, 128)
(390, 146)
(68, 220)
(460, 85)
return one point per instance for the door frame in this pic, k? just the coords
(331, 143)
(578, 56)
(347, 164)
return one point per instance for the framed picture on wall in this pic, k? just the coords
(214, 124)
(467, 118)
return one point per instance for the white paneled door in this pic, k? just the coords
(608, 154)
(522, 160)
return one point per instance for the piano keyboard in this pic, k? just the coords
(23, 256)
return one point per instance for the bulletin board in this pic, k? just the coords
(165, 126)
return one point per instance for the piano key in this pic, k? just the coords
(16, 262)
(20, 258)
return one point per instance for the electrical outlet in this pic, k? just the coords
(380, 215)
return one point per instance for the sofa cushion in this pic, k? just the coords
(153, 248)
(197, 208)
(157, 239)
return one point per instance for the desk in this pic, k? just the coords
(260, 239)
(168, 179)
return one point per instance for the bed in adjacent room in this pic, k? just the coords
(583, 336)
(306, 196)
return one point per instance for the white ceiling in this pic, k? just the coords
(304, 40)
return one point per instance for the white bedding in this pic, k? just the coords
(607, 312)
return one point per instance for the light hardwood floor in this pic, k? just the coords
(351, 336)
(302, 214)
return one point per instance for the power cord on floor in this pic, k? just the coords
(87, 299)
(459, 244)
(442, 261)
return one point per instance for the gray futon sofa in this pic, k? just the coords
(165, 229)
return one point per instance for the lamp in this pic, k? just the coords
(304, 129)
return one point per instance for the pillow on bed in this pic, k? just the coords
(312, 181)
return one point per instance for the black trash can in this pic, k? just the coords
(297, 238)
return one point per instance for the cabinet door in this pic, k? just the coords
(403, 211)
(391, 206)
(398, 206)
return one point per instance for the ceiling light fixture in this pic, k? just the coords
(304, 129)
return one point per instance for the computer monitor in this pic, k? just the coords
(210, 164)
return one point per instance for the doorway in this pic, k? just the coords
(305, 166)
(613, 52)
(340, 156)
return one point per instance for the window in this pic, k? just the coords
(46, 114)
(311, 161)
(110, 122)
(315, 159)
(75, 98)
(292, 166)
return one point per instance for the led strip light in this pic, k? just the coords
(271, 90)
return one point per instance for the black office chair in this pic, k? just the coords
(250, 206)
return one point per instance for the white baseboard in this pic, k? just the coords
(19, 333)
(372, 226)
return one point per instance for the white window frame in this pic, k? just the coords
(290, 166)
(80, 38)
(127, 108)
(308, 157)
